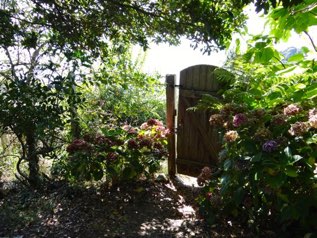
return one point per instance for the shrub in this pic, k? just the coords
(268, 164)
(117, 154)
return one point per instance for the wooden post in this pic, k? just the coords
(170, 123)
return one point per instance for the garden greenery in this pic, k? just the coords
(49, 48)
(115, 154)
(267, 121)
(124, 95)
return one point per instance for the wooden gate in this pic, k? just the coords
(197, 143)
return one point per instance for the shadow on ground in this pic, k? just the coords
(141, 209)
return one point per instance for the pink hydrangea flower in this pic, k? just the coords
(231, 136)
(291, 109)
(312, 112)
(298, 128)
(144, 126)
(204, 176)
(154, 122)
(216, 119)
(112, 156)
(145, 142)
(78, 145)
(239, 119)
(279, 119)
(313, 118)
(102, 140)
(262, 134)
(313, 121)
(132, 144)
(129, 129)
(206, 171)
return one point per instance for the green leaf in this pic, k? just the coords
(224, 181)
(296, 58)
(238, 195)
(312, 140)
(299, 86)
(248, 145)
(296, 158)
(287, 70)
(282, 196)
(311, 91)
(276, 181)
(310, 162)
(154, 167)
(256, 158)
(96, 170)
(267, 54)
(248, 56)
(98, 174)
(305, 49)
(227, 164)
(291, 171)
(288, 152)
(128, 173)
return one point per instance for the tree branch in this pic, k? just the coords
(21, 158)
(311, 41)
(11, 63)
(279, 61)
(34, 58)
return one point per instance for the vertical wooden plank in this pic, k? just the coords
(180, 118)
(190, 138)
(195, 151)
(188, 82)
(170, 123)
(196, 79)
(209, 78)
(203, 77)
(182, 148)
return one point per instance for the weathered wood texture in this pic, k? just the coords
(170, 123)
(197, 142)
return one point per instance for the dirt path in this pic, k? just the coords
(142, 209)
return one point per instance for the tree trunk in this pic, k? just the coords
(34, 176)
(75, 127)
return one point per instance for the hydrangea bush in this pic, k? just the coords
(268, 165)
(118, 154)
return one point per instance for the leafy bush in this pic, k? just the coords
(269, 165)
(122, 92)
(117, 154)
(266, 118)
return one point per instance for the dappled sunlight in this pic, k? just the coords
(187, 211)
(169, 228)
(139, 209)
(171, 186)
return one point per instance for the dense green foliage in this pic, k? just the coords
(124, 95)
(268, 162)
(267, 121)
(49, 49)
(91, 24)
